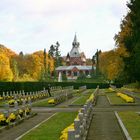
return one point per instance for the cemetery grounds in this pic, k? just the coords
(96, 114)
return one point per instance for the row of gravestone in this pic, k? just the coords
(55, 88)
(81, 125)
(63, 94)
(82, 88)
(11, 116)
(8, 109)
(21, 94)
(18, 94)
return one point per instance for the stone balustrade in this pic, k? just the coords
(82, 88)
(82, 123)
(63, 95)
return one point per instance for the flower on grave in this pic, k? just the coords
(18, 101)
(118, 94)
(111, 89)
(51, 101)
(64, 133)
(2, 119)
(91, 98)
(27, 110)
(11, 118)
(21, 100)
(35, 97)
(11, 102)
(21, 112)
(1, 98)
(8, 97)
(29, 98)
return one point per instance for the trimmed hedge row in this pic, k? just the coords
(36, 86)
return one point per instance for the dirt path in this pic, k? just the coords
(15, 132)
(104, 124)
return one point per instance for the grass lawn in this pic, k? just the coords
(131, 120)
(137, 95)
(2, 103)
(81, 100)
(51, 129)
(114, 99)
(43, 103)
(107, 90)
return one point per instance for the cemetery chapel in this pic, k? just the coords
(75, 63)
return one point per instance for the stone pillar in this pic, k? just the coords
(71, 134)
(6, 112)
(15, 105)
(77, 127)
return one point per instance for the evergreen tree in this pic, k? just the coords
(45, 66)
(52, 51)
(134, 7)
(57, 54)
(14, 69)
(129, 38)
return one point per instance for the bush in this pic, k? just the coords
(36, 86)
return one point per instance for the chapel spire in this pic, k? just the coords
(75, 38)
(75, 43)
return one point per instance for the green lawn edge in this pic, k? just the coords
(81, 100)
(131, 120)
(51, 129)
(114, 99)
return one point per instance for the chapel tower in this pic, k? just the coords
(75, 57)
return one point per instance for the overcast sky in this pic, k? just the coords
(32, 25)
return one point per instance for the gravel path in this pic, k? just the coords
(105, 127)
(104, 124)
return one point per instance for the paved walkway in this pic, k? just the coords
(104, 124)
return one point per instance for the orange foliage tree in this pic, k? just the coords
(110, 64)
(5, 71)
(22, 67)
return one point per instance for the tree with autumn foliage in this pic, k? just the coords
(5, 70)
(42, 62)
(28, 67)
(6, 73)
(128, 40)
(110, 65)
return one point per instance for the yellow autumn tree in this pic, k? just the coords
(30, 66)
(49, 61)
(5, 71)
(110, 64)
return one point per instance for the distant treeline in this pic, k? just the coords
(24, 67)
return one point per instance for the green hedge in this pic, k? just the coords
(35, 86)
